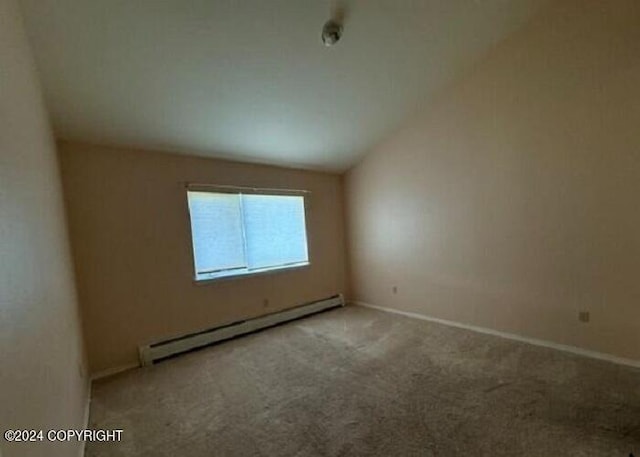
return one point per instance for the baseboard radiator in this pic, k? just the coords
(155, 352)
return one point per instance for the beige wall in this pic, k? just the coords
(513, 202)
(41, 357)
(132, 248)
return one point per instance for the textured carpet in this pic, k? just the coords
(359, 382)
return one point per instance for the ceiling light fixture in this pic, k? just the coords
(331, 32)
(332, 29)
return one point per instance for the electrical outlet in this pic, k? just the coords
(584, 316)
(394, 289)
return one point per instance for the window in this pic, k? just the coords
(239, 234)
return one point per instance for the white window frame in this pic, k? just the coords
(198, 279)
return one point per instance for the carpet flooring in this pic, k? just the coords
(360, 382)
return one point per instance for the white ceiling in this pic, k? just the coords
(250, 79)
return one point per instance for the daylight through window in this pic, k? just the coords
(239, 234)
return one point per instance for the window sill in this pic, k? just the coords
(248, 274)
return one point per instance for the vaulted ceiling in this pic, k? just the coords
(250, 79)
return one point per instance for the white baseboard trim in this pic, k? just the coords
(113, 371)
(510, 336)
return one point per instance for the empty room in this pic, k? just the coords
(319, 228)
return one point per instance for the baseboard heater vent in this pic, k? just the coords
(155, 352)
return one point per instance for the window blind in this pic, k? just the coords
(216, 228)
(274, 230)
(236, 233)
